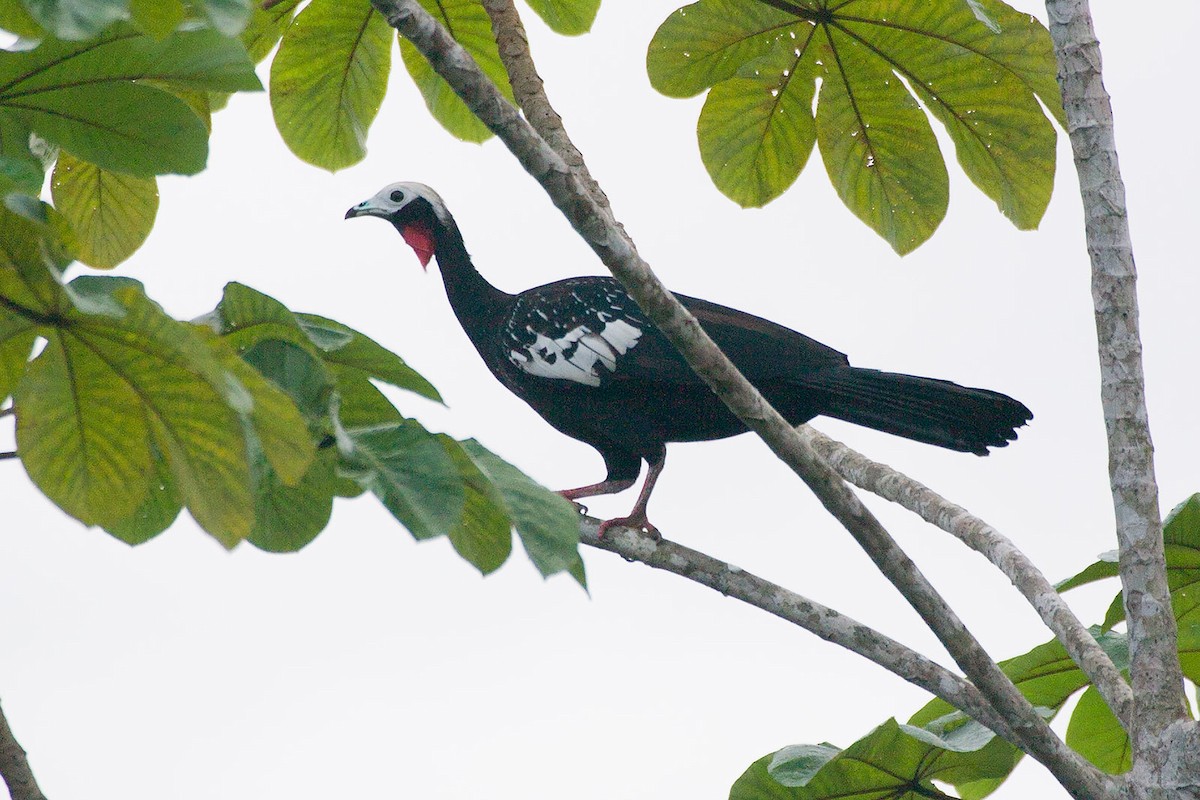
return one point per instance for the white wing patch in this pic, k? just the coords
(574, 355)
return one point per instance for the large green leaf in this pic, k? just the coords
(979, 68)
(1096, 734)
(160, 508)
(82, 96)
(17, 335)
(159, 18)
(112, 213)
(470, 26)
(568, 17)
(266, 26)
(328, 80)
(547, 524)
(15, 18)
(894, 761)
(286, 518)
(118, 381)
(756, 133)
(229, 17)
(409, 470)
(76, 19)
(483, 536)
(347, 347)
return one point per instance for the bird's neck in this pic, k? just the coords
(476, 302)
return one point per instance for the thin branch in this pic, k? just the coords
(7, 412)
(7, 454)
(1154, 662)
(617, 252)
(930, 506)
(14, 766)
(827, 623)
(530, 92)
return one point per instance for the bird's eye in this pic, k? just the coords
(397, 196)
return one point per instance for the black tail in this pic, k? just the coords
(923, 409)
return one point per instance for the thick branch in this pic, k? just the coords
(14, 767)
(996, 548)
(1154, 666)
(825, 622)
(617, 252)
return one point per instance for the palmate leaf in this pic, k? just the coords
(328, 80)
(266, 26)
(468, 23)
(112, 213)
(979, 74)
(158, 18)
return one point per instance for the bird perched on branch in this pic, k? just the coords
(583, 356)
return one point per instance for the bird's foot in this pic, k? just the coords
(580, 507)
(637, 522)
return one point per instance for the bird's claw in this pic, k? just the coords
(636, 522)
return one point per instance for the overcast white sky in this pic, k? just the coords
(368, 666)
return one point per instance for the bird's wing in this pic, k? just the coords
(589, 331)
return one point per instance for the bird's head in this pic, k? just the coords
(416, 211)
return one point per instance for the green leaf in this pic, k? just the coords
(295, 371)
(409, 470)
(76, 19)
(117, 379)
(123, 127)
(893, 761)
(228, 17)
(82, 96)
(1097, 735)
(470, 26)
(756, 783)
(17, 335)
(547, 524)
(978, 68)
(158, 18)
(1181, 538)
(155, 515)
(35, 245)
(483, 536)
(756, 133)
(707, 42)
(347, 347)
(286, 518)
(796, 764)
(328, 80)
(568, 17)
(15, 18)
(879, 151)
(112, 213)
(265, 28)
(20, 169)
(1105, 567)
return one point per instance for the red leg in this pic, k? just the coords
(637, 518)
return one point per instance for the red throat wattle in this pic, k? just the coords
(420, 239)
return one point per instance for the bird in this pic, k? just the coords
(583, 355)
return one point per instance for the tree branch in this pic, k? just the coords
(820, 620)
(930, 506)
(530, 92)
(14, 766)
(1154, 661)
(617, 252)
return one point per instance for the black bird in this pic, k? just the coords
(583, 356)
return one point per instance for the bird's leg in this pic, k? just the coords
(607, 486)
(637, 518)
